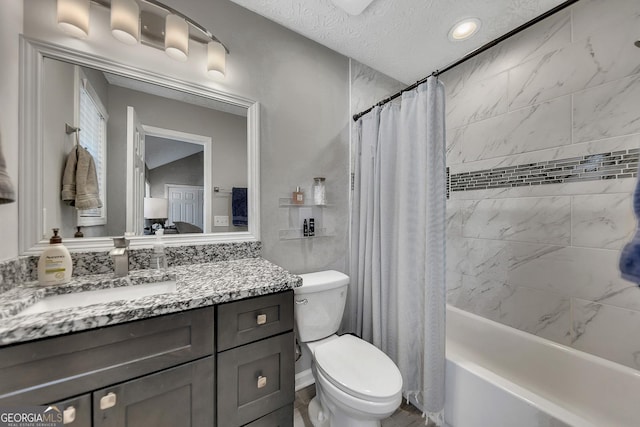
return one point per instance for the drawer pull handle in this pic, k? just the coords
(108, 401)
(69, 415)
(302, 301)
(262, 381)
(261, 319)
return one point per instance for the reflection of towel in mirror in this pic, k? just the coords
(239, 206)
(80, 181)
(7, 192)
(630, 256)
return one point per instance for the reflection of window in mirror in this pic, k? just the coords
(92, 120)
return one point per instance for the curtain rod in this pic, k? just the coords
(470, 55)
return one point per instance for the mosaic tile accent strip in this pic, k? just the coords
(612, 165)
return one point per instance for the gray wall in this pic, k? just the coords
(544, 258)
(186, 171)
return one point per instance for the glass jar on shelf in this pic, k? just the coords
(319, 191)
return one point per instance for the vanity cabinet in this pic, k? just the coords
(161, 371)
(255, 359)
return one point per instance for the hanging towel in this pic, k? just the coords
(7, 192)
(630, 256)
(80, 180)
(239, 206)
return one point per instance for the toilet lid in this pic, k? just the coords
(358, 368)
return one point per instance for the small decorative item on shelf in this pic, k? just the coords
(297, 197)
(319, 191)
(78, 233)
(305, 229)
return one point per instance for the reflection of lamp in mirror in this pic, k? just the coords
(125, 21)
(156, 210)
(73, 17)
(176, 37)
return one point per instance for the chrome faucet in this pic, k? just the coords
(120, 255)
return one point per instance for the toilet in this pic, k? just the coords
(357, 385)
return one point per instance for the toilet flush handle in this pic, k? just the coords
(303, 301)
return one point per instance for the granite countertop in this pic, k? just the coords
(197, 285)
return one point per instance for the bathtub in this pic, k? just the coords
(499, 376)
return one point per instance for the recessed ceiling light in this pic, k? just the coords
(352, 7)
(464, 29)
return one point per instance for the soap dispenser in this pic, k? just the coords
(158, 257)
(54, 265)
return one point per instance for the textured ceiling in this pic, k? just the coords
(405, 39)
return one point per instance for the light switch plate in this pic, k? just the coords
(221, 221)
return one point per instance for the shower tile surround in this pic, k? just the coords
(543, 144)
(24, 269)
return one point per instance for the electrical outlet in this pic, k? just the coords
(221, 221)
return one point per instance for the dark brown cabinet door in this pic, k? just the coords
(181, 396)
(255, 380)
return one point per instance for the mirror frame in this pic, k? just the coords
(30, 191)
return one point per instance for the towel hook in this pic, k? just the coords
(72, 129)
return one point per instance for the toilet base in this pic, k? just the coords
(323, 412)
(316, 415)
(320, 419)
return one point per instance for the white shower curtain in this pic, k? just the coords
(398, 239)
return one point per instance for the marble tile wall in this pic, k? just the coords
(544, 258)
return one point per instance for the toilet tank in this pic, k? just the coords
(319, 304)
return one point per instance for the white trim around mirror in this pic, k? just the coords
(30, 189)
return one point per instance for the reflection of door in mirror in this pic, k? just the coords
(185, 207)
(135, 172)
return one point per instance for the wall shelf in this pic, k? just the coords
(287, 203)
(296, 217)
(296, 234)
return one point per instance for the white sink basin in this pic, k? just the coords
(99, 296)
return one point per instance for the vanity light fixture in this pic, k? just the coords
(125, 21)
(73, 17)
(464, 29)
(148, 22)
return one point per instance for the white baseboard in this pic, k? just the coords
(304, 379)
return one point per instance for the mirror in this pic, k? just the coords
(166, 154)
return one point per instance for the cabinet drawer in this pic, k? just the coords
(180, 396)
(77, 411)
(42, 371)
(245, 321)
(283, 417)
(255, 379)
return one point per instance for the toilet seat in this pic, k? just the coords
(358, 369)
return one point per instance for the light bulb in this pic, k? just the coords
(176, 38)
(216, 59)
(73, 17)
(464, 29)
(125, 21)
